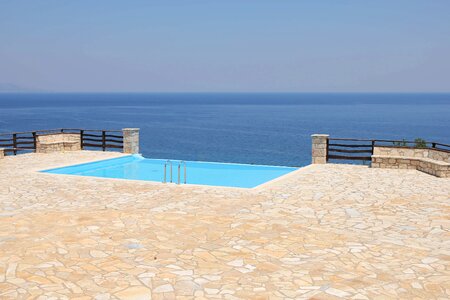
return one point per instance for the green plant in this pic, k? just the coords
(402, 143)
(420, 143)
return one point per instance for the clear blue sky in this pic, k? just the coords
(227, 45)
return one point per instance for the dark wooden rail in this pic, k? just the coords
(349, 149)
(16, 142)
(353, 149)
(104, 139)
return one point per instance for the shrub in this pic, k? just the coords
(420, 143)
(400, 144)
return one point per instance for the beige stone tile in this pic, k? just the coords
(325, 232)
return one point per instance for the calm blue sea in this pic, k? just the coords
(271, 129)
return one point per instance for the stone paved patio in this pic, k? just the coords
(323, 232)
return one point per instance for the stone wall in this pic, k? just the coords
(436, 168)
(394, 162)
(439, 155)
(429, 161)
(58, 142)
(433, 168)
(413, 152)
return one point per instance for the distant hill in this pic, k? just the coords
(13, 88)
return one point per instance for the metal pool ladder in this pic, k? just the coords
(170, 164)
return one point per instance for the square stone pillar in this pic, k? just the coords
(131, 140)
(2, 153)
(319, 148)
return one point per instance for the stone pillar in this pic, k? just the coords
(2, 153)
(319, 148)
(130, 140)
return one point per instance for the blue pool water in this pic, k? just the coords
(137, 167)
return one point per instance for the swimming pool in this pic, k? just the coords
(137, 167)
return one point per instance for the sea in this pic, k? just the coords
(254, 128)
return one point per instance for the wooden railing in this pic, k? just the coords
(362, 150)
(13, 142)
(17, 142)
(104, 139)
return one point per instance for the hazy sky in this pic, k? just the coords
(227, 45)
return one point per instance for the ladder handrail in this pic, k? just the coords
(184, 172)
(179, 171)
(168, 162)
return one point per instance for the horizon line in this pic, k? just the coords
(223, 92)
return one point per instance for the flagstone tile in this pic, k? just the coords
(326, 232)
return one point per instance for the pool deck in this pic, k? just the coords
(322, 232)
